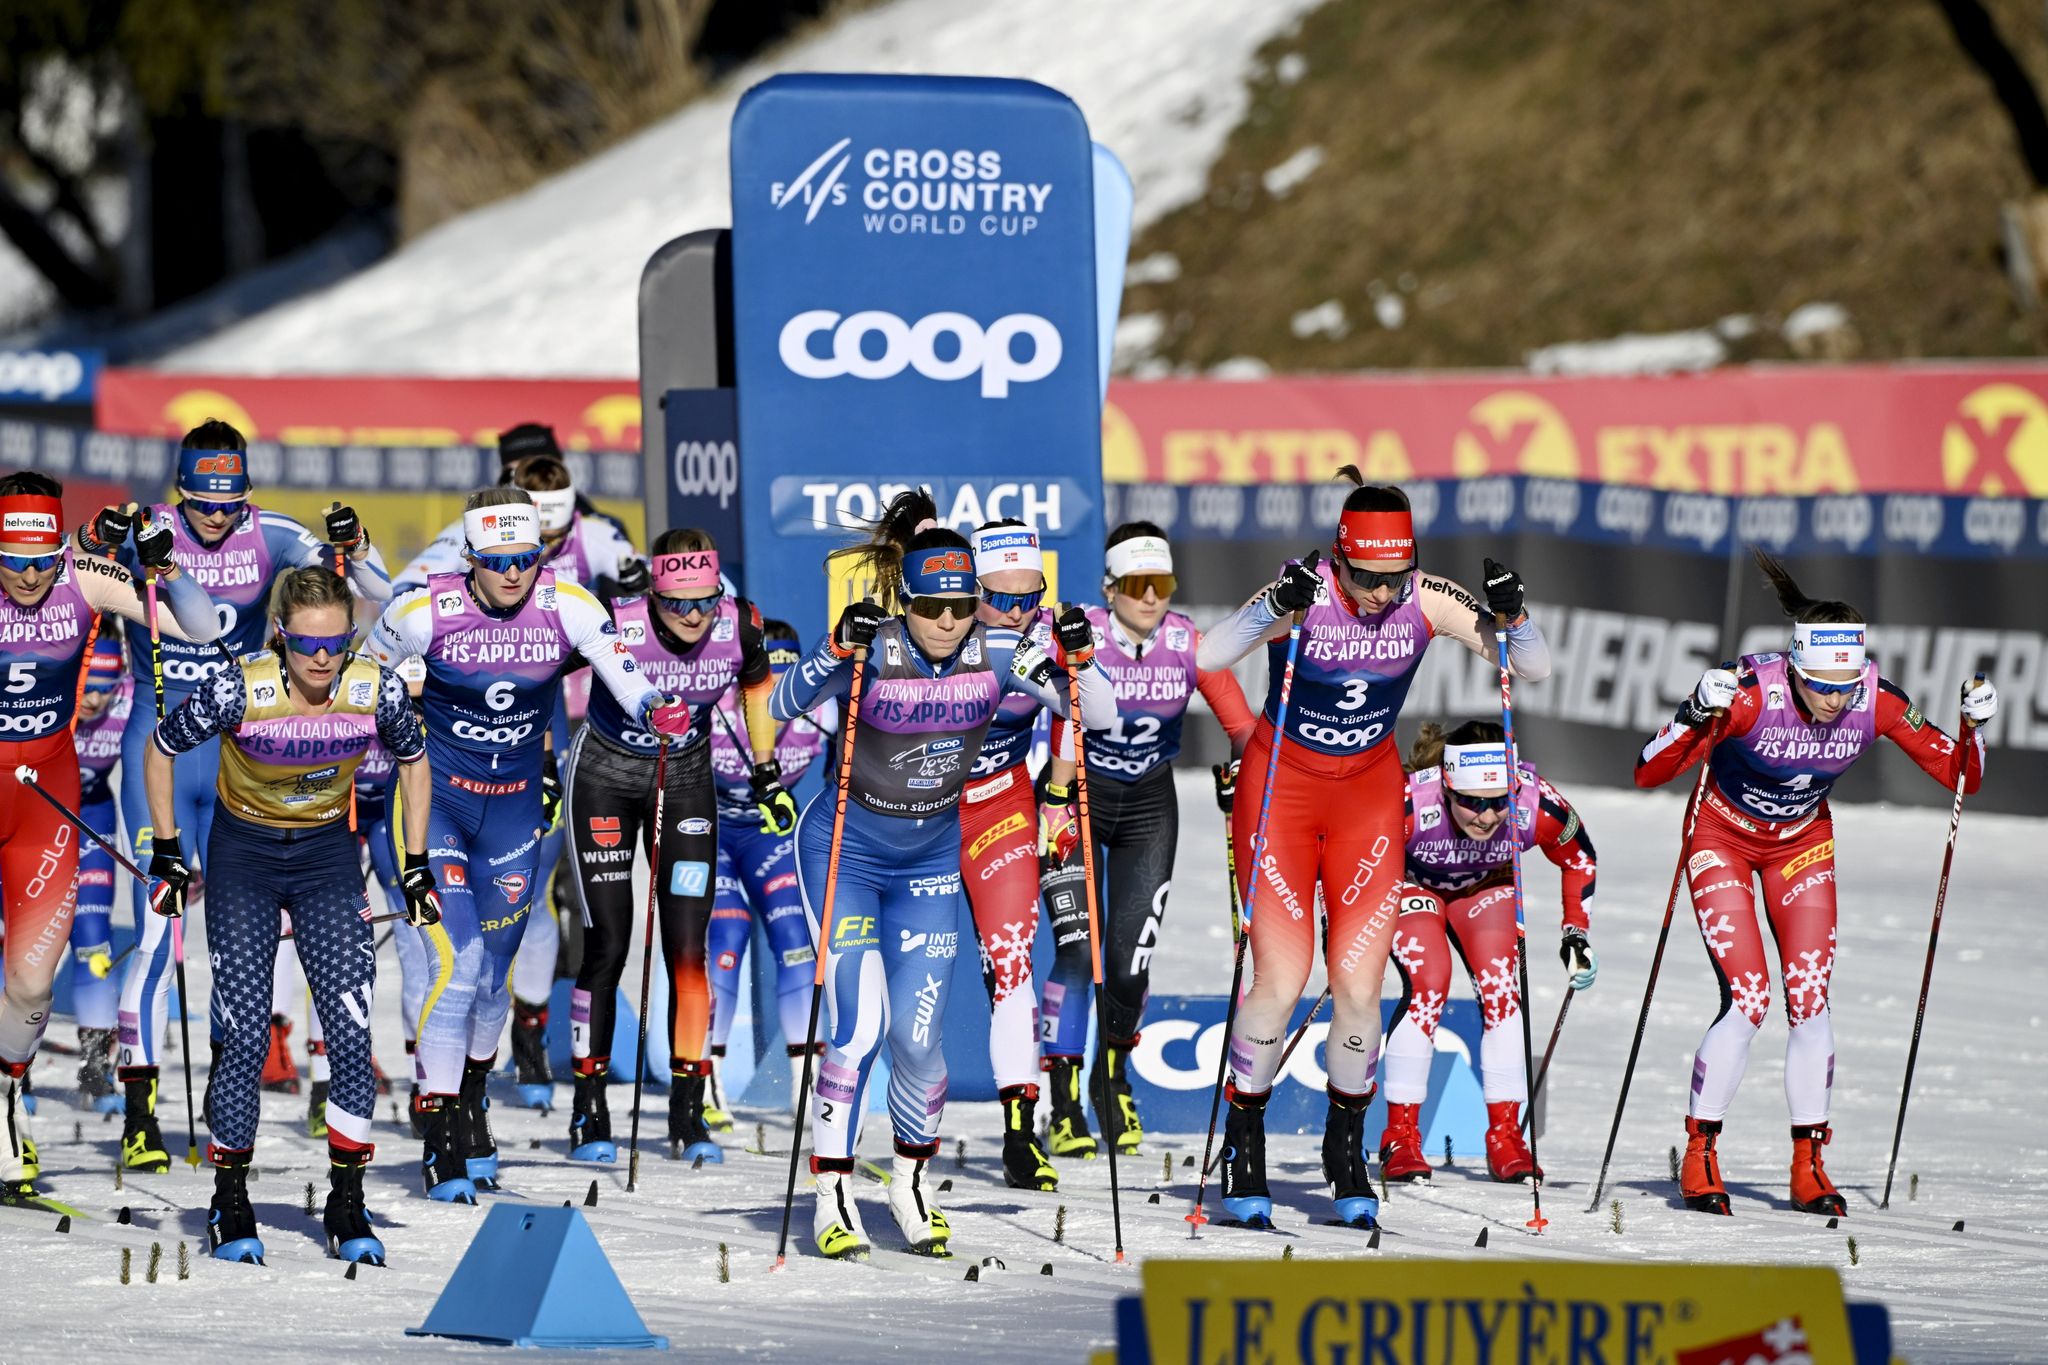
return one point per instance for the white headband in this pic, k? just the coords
(1829, 645)
(997, 548)
(555, 506)
(1139, 554)
(1476, 767)
(510, 523)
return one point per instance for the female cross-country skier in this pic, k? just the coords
(1335, 822)
(495, 639)
(1147, 650)
(103, 711)
(52, 595)
(933, 679)
(295, 719)
(694, 643)
(1460, 893)
(235, 550)
(1795, 723)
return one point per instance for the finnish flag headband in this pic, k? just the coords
(490, 529)
(1828, 645)
(997, 548)
(1476, 767)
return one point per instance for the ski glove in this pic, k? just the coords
(669, 717)
(1980, 701)
(777, 806)
(632, 579)
(1579, 958)
(345, 530)
(1059, 832)
(167, 866)
(108, 531)
(1076, 637)
(153, 546)
(1503, 591)
(1715, 693)
(1032, 664)
(550, 793)
(1297, 588)
(857, 627)
(422, 902)
(1226, 785)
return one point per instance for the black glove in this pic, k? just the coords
(777, 806)
(167, 866)
(550, 792)
(1226, 785)
(857, 626)
(1076, 637)
(422, 902)
(1578, 957)
(1297, 588)
(1503, 591)
(153, 546)
(633, 580)
(108, 531)
(345, 529)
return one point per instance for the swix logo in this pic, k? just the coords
(604, 831)
(974, 350)
(513, 884)
(826, 190)
(927, 1005)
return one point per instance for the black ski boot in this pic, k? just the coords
(96, 1070)
(1109, 1087)
(1344, 1163)
(349, 1236)
(231, 1224)
(1024, 1163)
(590, 1122)
(473, 1125)
(142, 1142)
(535, 1082)
(688, 1138)
(1067, 1132)
(1245, 1196)
(441, 1168)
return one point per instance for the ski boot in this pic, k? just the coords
(28, 1092)
(96, 1070)
(213, 1046)
(1110, 1090)
(1245, 1196)
(532, 1079)
(316, 1110)
(280, 1072)
(688, 1138)
(1344, 1164)
(142, 1142)
(19, 1165)
(1067, 1130)
(231, 1224)
(441, 1169)
(1507, 1154)
(416, 1117)
(1024, 1163)
(349, 1236)
(1812, 1191)
(923, 1226)
(835, 1223)
(473, 1126)
(1401, 1158)
(590, 1121)
(716, 1118)
(1699, 1180)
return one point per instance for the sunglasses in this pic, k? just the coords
(30, 563)
(1824, 688)
(1366, 580)
(933, 608)
(202, 508)
(1160, 585)
(689, 606)
(309, 645)
(507, 563)
(1479, 805)
(1014, 601)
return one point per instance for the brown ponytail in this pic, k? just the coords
(1794, 602)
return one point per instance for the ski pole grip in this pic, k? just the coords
(25, 775)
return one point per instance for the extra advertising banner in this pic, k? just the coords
(915, 303)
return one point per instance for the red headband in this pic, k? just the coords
(1376, 536)
(31, 519)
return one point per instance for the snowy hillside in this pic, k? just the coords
(544, 283)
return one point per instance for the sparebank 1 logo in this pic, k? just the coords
(1997, 443)
(1515, 432)
(907, 191)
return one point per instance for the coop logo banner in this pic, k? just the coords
(914, 289)
(48, 376)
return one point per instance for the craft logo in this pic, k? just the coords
(513, 884)
(604, 831)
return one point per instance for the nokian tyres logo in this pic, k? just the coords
(908, 191)
(946, 347)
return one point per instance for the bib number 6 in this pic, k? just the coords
(500, 695)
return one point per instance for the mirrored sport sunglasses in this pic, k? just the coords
(309, 645)
(507, 563)
(202, 508)
(1824, 687)
(686, 606)
(31, 563)
(1366, 580)
(1014, 601)
(1136, 584)
(933, 608)
(1479, 805)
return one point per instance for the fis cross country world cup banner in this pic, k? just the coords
(915, 303)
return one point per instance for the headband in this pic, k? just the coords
(783, 652)
(688, 571)
(1139, 554)
(30, 523)
(927, 573)
(997, 548)
(555, 506)
(1475, 767)
(489, 529)
(103, 667)
(1377, 536)
(213, 473)
(1828, 645)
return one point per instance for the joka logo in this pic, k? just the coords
(689, 879)
(513, 884)
(828, 190)
(604, 831)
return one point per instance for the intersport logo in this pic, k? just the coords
(973, 350)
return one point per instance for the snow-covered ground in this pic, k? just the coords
(1974, 1139)
(545, 283)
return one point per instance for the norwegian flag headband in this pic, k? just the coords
(1828, 645)
(1475, 767)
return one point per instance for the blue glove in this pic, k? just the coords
(1579, 959)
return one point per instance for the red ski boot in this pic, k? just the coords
(1401, 1158)
(280, 1072)
(1507, 1155)
(1699, 1180)
(1812, 1191)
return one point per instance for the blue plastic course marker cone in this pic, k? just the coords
(537, 1277)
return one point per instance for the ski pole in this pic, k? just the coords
(1535, 1089)
(156, 668)
(29, 778)
(1080, 733)
(1507, 722)
(1292, 1043)
(647, 961)
(803, 1093)
(1678, 881)
(1948, 858)
(1196, 1217)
